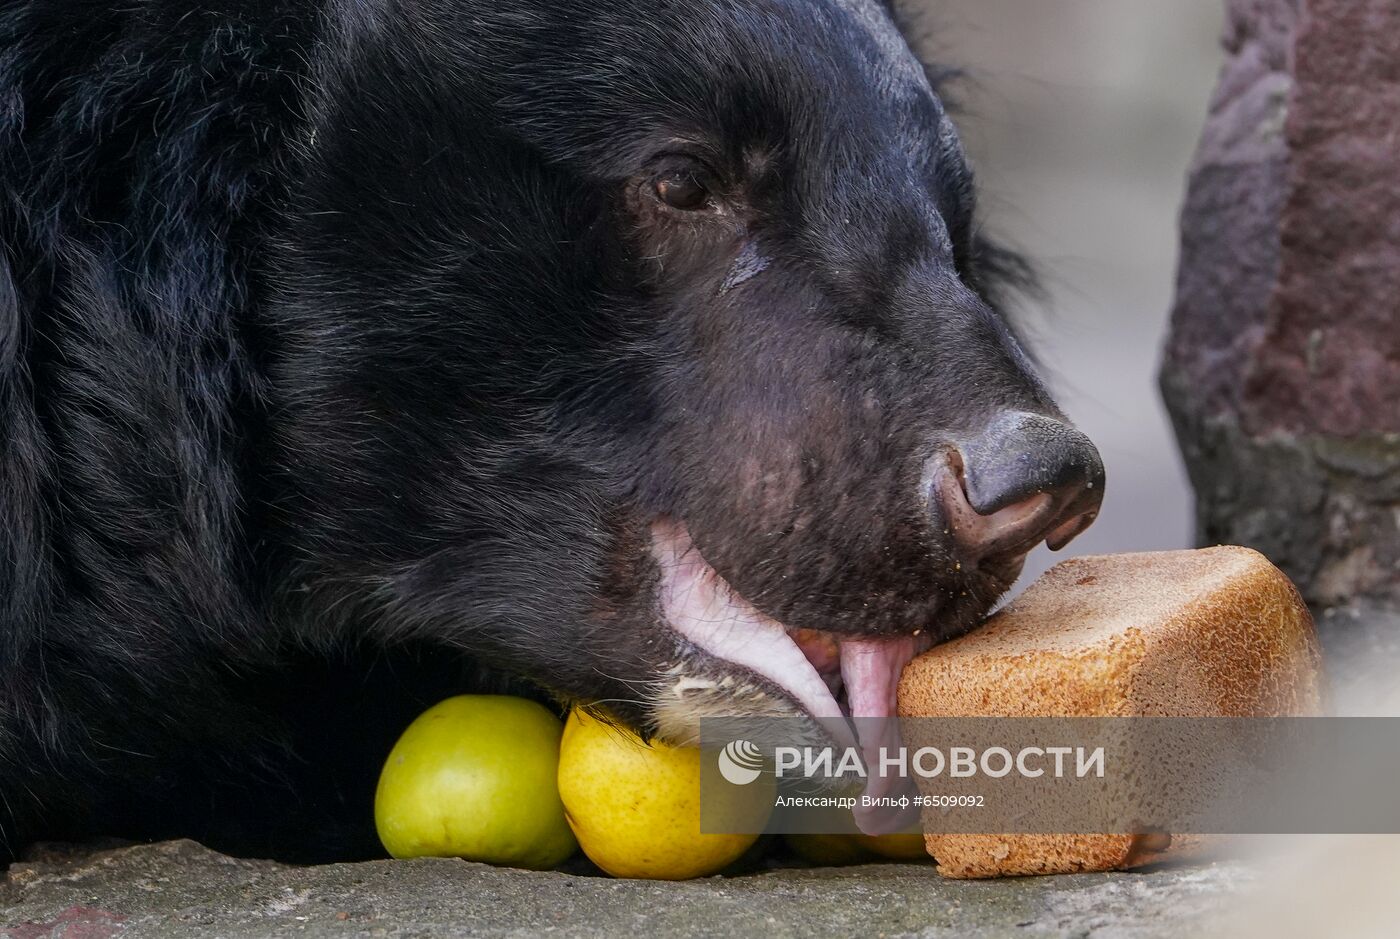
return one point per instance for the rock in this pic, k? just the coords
(1290, 266)
(181, 889)
(1282, 370)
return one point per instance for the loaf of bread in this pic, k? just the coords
(1214, 632)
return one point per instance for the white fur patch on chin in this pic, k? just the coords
(680, 706)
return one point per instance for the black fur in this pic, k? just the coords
(336, 335)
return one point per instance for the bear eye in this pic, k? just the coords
(683, 191)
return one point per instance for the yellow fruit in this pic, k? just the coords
(636, 807)
(898, 847)
(475, 777)
(828, 850)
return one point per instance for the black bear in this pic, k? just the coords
(356, 352)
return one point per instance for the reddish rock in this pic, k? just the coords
(1282, 371)
(1230, 222)
(1329, 361)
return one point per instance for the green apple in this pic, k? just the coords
(476, 777)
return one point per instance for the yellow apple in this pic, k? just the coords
(635, 807)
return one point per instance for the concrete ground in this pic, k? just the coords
(181, 889)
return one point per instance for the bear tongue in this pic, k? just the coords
(870, 670)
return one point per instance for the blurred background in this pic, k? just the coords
(1081, 118)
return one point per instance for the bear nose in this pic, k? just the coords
(1025, 478)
